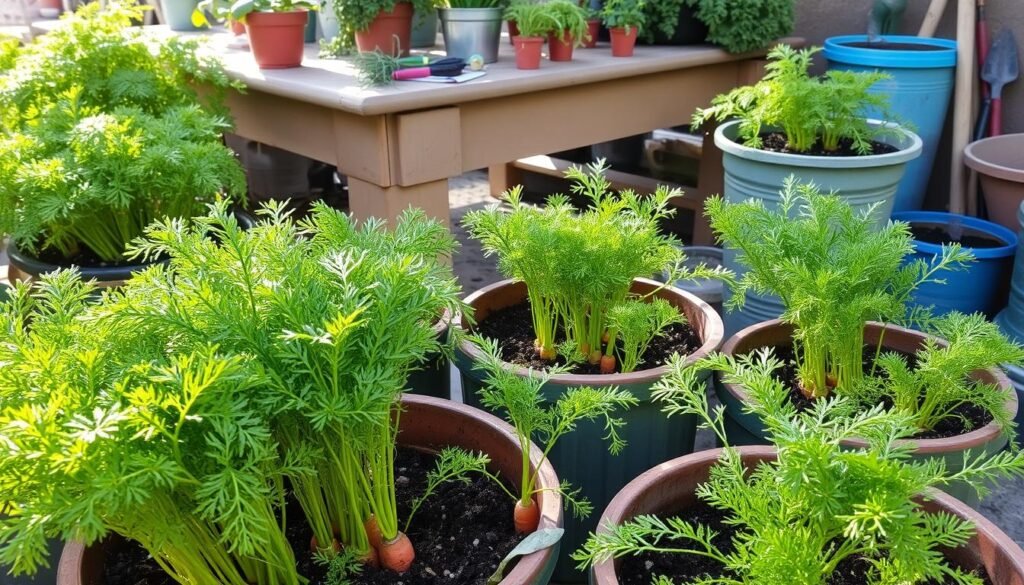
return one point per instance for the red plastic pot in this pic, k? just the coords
(389, 33)
(528, 52)
(623, 41)
(513, 32)
(560, 46)
(276, 38)
(593, 30)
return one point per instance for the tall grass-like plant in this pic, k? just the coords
(572, 19)
(818, 504)
(533, 20)
(808, 110)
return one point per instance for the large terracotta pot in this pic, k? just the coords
(277, 38)
(560, 46)
(669, 488)
(744, 428)
(429, 424)
(581, 456)
(389, 33)
(999, 161)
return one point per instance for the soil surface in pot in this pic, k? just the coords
(685, 568)
(965, 418)
(933, 233)
(513, 328)
(85, 258)
(777, 142)
(885, 46)
(460, 533)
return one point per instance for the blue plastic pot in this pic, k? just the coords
(178, 14)
(979, 288)
(920, 88)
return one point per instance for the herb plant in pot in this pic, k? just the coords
(572, 270)
(573, 31)
(791, 123)
(85, 167)
(380, 25)
(805, 510)
(535, 22)
(624, 19)
(672, 22)
(739, 26)
(276, 28)
(472, 27)
(843, 284)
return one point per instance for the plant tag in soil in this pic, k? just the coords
(539, 540)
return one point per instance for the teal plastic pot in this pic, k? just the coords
(424, 29)
(861, 181)
(581, 456)
(921, 74)
(433, 376)
(310, 33)
(979, 288)
(178, 14)
(1011, 319)
(1016, 376)
(745, 428)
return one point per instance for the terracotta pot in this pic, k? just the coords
(513, 31)
(670, 487)
(581, 456)
(50, 8)
(623, 41)
(429, 424)
(593, 30)
(999, 161)
(389, 33)
(276, 38)
(560, 46)
(237, 28)
(528, 51)
(746, 429)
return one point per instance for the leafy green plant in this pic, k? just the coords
(453, 464)
(637, 323)
(572, 18)
(745, 25)
(625, 14)
(357, 15)
(533, 20)
(520, 400)
(105, 433)
(475, 3)
(335, 315)
(577, 266)
(104, 132)
(809, 110)
(242, 8)
(834, 269)
(663, 16)
(818, 504)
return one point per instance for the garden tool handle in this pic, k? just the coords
(996, 124)
(411, 73)
(982, 126)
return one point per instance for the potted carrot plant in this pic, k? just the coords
(568, 271)
(806, 509)
(624, 19)
(845, 286)
(535, 22)
(276, 28)
(574, 30)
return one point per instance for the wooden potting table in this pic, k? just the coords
(398, 145)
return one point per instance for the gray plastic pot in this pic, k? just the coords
(471, 31)
(424, 29)
(744, 428)
(178, 14)
(581, 456)
(862, 181)
(433, 376)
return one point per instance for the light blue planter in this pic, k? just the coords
(1011, 319)
(979, 288)
(862, 181)
(178, 14)
(920, 88)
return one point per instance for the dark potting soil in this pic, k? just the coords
(965, 418)
(460, 534)
(686, 568)
(777, 142)
(885, 46)
(932, 233)
(85, 258)
(513, 328)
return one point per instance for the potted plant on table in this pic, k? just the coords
(745, 25)
(380, 25)
(104, 132)
(672, 22)
(276, 28)
(574, 30)
(806, 510)
(535, 22)
(624, 19)
(570, 271)
(843, 284)
(472, 27)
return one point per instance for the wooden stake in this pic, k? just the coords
(963, 103)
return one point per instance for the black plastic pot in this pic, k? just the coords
(689, 30)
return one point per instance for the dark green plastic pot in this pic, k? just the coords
(433, 377)
(582, 457)
(744, 428)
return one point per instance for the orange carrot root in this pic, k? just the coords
(373, 531)
(605, 337)
(607, 364)
(585, 349)
(397, 554)
(526, 518)
(370, 558)
(314, 546)
(547, 354)
(595, 357)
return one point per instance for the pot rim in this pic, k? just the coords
(958, 443)
(470, 14)
(1002, 233)
(974, 159)
(69, 567)
(909, 149)
(714, 332)
(603, 573)
(837, 49)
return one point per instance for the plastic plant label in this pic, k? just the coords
(539, 540)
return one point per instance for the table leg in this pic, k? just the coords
(370, 200)
(710, 181)
(503, 177)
